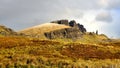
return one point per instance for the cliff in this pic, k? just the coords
(74, 32)
(71, 33)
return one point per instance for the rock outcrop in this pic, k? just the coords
(75, 31)
(56, 29)
(71, 24)
(65, 22)
(71, 33)
(81, 27)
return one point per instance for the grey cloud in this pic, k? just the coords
(28, 11)
(114, 4)
(104, 16)
(110, 4)
(33, 12)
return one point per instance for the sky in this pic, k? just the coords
(101, 15)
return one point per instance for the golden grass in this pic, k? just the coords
(32, 52)
(40, 29)
(92, 39)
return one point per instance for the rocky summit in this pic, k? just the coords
(60, 29)
(71, 23)
(56, 29)
(75, 31)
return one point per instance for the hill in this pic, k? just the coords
(5, 31)
(39, 30)
(58, 44)
(64, 30)
(55, 29)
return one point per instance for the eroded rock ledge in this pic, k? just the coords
(74, 32)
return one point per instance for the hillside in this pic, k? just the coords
(56, 29)
(59, 44)
(64, 29)
(39, 30)
(5, 31)
(24, 52)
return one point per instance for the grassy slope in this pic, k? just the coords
(87, 38)
(28, 52)
(41, 29)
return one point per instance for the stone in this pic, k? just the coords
(81, 27)
(72, 23)
(96, 32)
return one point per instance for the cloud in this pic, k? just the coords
(20, 14)
(105, 17)
(110, 4)
(114, 4)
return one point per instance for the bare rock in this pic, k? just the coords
(70, 33)
(72, 23)
(65, 22)
(81, 27)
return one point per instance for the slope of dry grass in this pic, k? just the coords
(4, 31)
(41, 29)
(32, 52)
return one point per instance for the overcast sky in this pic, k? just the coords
(101, 15)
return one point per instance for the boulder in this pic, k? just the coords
(81, 27)
(72, 23)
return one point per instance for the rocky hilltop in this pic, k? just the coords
(60, 29)
(71, 24)
(39, 30)
(56, 29)
(74, 32)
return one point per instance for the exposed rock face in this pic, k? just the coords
(65, 22)
(72, 23)
(75, 31)
(81, 27)
(56, 29)
(71, 33)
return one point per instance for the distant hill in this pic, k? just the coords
(56, 29)
(39, 30)
(5, 31)
(63, 29)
